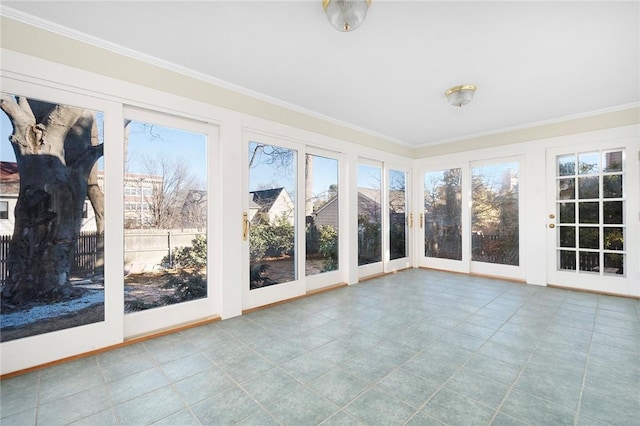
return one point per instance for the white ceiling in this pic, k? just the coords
(532, 61)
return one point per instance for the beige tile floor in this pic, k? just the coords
(417, 348)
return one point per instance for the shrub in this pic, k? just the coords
(328, 247)
(189, 282)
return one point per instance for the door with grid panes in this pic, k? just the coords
(588, 215)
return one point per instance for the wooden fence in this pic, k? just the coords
(88, 261)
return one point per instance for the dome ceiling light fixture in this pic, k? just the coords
(460, 95)
(346, 15)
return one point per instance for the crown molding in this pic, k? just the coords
(61, 30)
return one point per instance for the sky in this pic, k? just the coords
(163, 142)
(160, 142)
(263, 175)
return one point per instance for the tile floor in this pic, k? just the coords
(414, 348)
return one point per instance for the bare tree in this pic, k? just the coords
(56, 148)
(169, 191)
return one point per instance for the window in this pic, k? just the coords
(590, 208)
(4, 210)
(85, 210)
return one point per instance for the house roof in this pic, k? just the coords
(265, 198)
(9, 172)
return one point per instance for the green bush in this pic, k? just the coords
(189, 282)
(328, 247)
(194, 256)
(271, 239)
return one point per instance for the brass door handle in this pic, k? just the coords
(410, 220)
(245, 226)
(552, 225)
(421, 219)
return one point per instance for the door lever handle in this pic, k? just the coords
(245, 226)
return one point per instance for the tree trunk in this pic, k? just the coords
(55, 156)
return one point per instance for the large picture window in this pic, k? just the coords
(52, 268)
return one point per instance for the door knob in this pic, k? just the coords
(552, 225)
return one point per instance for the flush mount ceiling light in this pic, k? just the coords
(346, 15)
(460, 95)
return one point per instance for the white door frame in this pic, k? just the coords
(277, 292)
(629, 283)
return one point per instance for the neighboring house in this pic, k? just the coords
(271, 204)
(327, 214)
(368, 204)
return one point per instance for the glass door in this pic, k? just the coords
(272, 221)
(589, 234)
(369, 218)
(440, 221)
(166, 221)
(495, 218)
(399, 220)
(323, 212)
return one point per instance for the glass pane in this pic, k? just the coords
(589, 261)
(612, 211)
(443, 214)
(566, 260)
(614, 239)
(397, 214)
(588, 163)
(567, 212)
(165, 217)
(588, 187)
(614, 263)
(612, 186)
(51, 254)
(589, 212)
(322, 212)
(566, 165)
(567, 236)
(369, 214)
(589, 237)
(602, 210)
(494, 219)
(612, 161)
(566, 189)
(272, 214)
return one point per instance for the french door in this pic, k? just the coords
(273, 220)
(399, 220)
(470, 219)
(592, 230)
